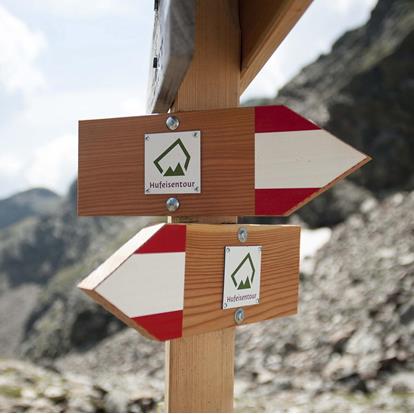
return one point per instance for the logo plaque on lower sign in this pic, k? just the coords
(242, 266)
(172, 163)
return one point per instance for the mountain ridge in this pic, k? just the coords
(34, 202)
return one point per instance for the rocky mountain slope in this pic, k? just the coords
(354, 332)
(41, 259)
(363, 92)
(350, 347)
(31, 203)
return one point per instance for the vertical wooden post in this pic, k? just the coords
(200, 369)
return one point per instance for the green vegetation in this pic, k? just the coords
(10, 391)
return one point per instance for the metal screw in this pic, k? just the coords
(196, 189)
(147, 190)
(242, 234)
(146, 138)
(172, 204)
(172, 123)
(239, 316)
(225, 306)
(227, 249)
(195, 134)
(260, 248)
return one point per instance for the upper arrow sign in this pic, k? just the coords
(254, 161)
(295, 160)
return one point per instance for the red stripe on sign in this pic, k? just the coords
(163, 326)
(277, 202)
(280, 119)
(170, 238)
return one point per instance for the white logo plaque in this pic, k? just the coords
(242, 267)
(173, 163)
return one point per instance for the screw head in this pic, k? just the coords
(172, 123)
(195, 134)
(227, 249)
(239, 316)
(172, 204)
(242, 234)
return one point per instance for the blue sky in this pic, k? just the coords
(65, 60)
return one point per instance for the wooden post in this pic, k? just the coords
(200, 369)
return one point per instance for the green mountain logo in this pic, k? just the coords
(170, 163)
(243, 276)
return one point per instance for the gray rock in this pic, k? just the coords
(403, 382)
(407, 314)
(370, 103)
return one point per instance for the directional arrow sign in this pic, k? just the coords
(174, 280)
(243, 161)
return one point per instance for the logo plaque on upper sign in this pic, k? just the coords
(242, 266)
(172, 163)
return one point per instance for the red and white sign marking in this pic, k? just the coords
(295, 160)
(168, 281)
(151, 299)
(271, 162)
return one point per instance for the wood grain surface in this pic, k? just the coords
(243, 172)
(121, 283)
(200, 369)
(111, 165)
(203, 291)
(200, 373)
(173, 48)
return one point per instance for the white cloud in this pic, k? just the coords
(87, 8)
(345, 6)
(54, 164)
(20, 47)
(35, 157)
(11, 177)
(9, 165)
(61, 110)
(133, 106)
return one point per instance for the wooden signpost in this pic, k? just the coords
(167, 281)
(191, 281)
(244, 161)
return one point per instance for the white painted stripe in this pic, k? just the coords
(301, 159)
(117, 258)
(146, 284)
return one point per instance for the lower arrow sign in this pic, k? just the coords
(168, 280)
